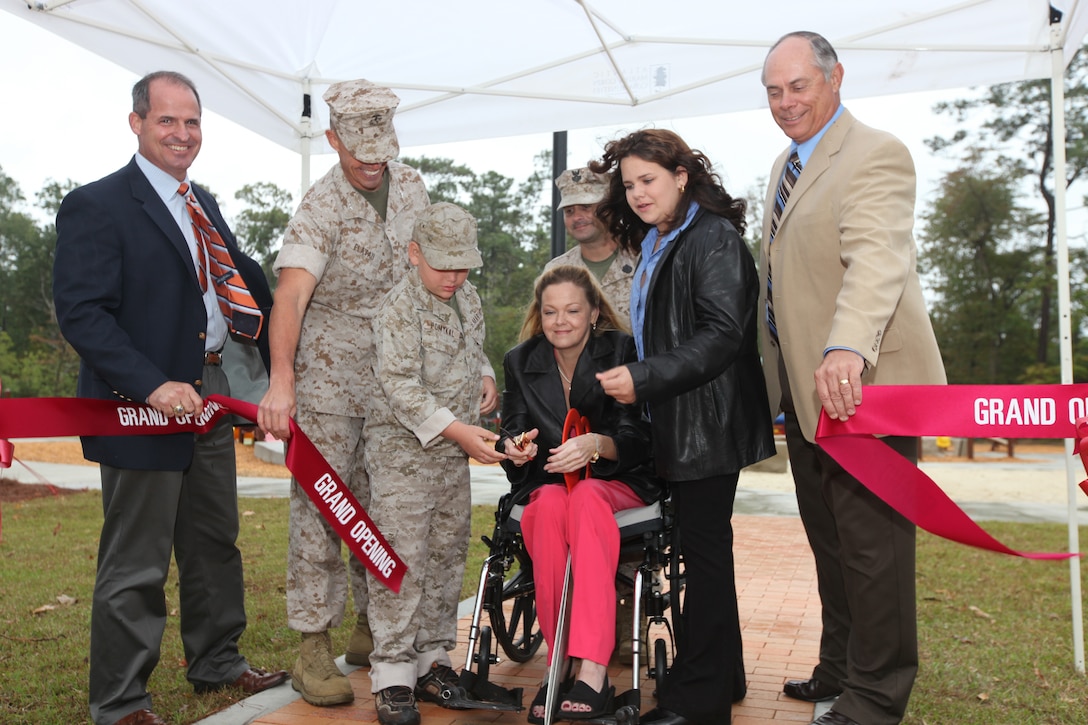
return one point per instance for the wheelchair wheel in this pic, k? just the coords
(517, 630)
(661, 665)
(483, 658)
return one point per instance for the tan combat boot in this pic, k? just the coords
(315, 674)
(361, 644)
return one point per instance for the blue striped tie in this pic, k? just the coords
(789, 178)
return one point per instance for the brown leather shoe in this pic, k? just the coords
(256, 680)
(141, 717)
(251, 682)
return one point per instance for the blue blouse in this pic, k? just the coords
(646, 265)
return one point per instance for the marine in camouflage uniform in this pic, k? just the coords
(345, 247)
(613, 266)
(428, 362)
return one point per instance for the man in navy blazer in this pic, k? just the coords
(129, 300)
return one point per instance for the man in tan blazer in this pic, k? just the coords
(844, 310)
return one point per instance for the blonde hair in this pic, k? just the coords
(581, 277)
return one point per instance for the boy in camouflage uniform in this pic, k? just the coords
(429, 335)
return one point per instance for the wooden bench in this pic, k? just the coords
(967, 446)
(1007, 443)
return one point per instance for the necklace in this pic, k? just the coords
(566, 380)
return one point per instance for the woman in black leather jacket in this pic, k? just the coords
(569, 336)
(693, 312)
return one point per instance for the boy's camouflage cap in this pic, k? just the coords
(447, 235)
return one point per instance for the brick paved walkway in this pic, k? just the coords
(780, 617)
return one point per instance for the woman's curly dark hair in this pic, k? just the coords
(671, 152)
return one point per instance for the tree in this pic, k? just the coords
(753, 216)
(515, 243)
(979, 257)
(445, 179)
(1020, 113)
(259, 227)
(39, 361)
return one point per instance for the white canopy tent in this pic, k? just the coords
(487, 68)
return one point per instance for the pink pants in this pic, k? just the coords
(584, 521)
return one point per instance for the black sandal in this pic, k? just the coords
(585, 703)
(541, 700)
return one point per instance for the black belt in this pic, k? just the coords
(213, 358)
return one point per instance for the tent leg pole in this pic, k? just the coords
(1057, 104)
(559, 165)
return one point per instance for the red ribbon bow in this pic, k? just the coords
(575, 425)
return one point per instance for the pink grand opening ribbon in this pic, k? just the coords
(970, 411)
(45, 417)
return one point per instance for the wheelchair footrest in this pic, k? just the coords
(474, 693)
(632, 698)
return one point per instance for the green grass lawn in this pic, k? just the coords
(995, 631)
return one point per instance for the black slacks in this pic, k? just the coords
(709, 667)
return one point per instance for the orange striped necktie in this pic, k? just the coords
(237, 304)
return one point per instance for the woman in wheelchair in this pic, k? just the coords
(571, 333)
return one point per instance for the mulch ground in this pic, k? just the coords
(14, 492)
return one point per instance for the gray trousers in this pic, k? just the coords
(865, 559)
(148, 515)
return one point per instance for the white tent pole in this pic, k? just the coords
(1057, 96)
(304, 154)
(305, 128)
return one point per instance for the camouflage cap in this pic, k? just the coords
(361, 114)
(446, 234)
(581, 186)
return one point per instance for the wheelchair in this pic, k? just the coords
(506, 594)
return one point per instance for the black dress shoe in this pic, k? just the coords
(811, 690)
(661, 716)
(833, 718)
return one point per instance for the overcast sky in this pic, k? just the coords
(65, 117)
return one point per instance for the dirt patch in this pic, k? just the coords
(70, 451)
(14, 492)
